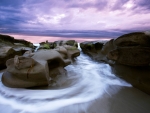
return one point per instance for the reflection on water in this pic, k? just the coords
(90, 88)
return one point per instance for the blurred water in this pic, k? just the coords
(86, 81)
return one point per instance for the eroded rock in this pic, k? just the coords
(132, 56)
(9, 47)
(98, 50)
(133, 39)
(44, 68)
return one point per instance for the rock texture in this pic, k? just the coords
(8, 40)
(98, 50)
(6, 53)
(133, 39)
(132, 56)
(129, 56)
(138, 77)
(52, 45)
(9, 47)
(42, 68)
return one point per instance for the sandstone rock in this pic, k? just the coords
(66, 42)
(133, 56)
(92, 46)
(28, 54)
(97, 50)
(138, 77)
(5, 54)
(26, 77)
(9, 47)
(133, 39)
(72, 52)
(21, 62)
(42, 69)
(108, 47)
(9, 41)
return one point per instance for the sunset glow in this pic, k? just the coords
(81, 19)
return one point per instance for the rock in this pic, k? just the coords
(28, 54)
(72, 52)
(108, 47)
(19, 44)
(66, 42)
(133, 39)
(9, 47)
(138, 77)
(97, 50)
(7, 53)
(10, 41)
(52, 45)
(23, 78)
(21, 62)
(46, 45)
(41, 69)
(132, 56)
(91, 47)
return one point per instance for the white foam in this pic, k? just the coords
(87, 81)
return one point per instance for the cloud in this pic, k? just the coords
(109, 18)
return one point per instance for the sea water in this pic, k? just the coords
(89, 88)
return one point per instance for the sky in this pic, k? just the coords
(39, 20)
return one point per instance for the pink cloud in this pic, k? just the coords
(38, 39)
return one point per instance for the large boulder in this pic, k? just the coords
(66, 42)
(132, 59)
(133, 39)
(138, 77)
(98, 50)
(132, 56)
(9, 47)
(52, 45)
(11, 41)
(43, 68)
(7, 53)
(129, 56)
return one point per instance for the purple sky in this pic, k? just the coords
(84, 19)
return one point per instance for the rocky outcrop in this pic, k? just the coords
(52, 45)
(129, 56)
(131, 49)
(7, 53)
(132, 56)
(133, 39)
(66, 42)
(9, 47)
(132, 59)
(138, 77)
(42, 68)
(97, 50)
(8, 40)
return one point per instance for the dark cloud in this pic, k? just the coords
(10, 3)
(118, 4)
(21, 16)
(98, 4)
(143, 3)
(70, 33)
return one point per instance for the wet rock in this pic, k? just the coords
(132, 56)
(52, 45)
(7, 53)
(91, 47)
(44, 68)
(138, 77)
(9, 47)
(97, 50)
(11, 41)
(133, 39)
(66, 42)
